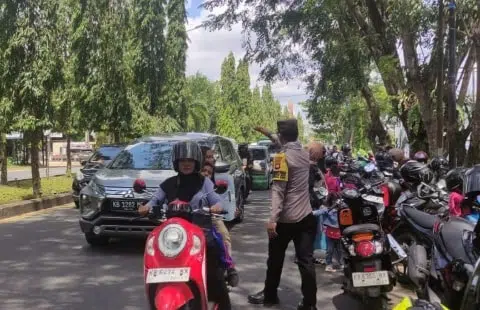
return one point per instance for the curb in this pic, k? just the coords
(31, 205)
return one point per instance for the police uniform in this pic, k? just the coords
(292, 213)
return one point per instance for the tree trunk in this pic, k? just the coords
(35, 139)
(3, 159)
(69, 156)
(474, 149)
(440, 78)
(376, 128)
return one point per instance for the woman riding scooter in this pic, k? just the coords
(190, 185)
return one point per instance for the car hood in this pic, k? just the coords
(125, 178)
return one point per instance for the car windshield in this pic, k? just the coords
(145, 156)
(105, 153)
(258, 154)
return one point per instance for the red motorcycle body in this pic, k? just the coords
(172, 281)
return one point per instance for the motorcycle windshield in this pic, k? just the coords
(471, 298)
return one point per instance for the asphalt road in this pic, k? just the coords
(27, 174)
(46, 264)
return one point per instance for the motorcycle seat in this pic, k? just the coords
(453, 235)
(420, 218)
(360, 228)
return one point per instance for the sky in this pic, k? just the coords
(207, 51)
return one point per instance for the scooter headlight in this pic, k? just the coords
(172, 240)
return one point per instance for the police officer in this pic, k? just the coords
(291, 218)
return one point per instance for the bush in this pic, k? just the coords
(50, 187)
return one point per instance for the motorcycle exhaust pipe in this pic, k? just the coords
(396, 248)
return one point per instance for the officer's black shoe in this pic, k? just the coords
(301, 306)
(259, 298)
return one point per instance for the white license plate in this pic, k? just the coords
(125, 205)
(364, 279)
(374, 199)
(166, 275)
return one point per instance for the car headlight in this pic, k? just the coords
(79, 176)
(97, 189)
(172, 240)
(90, 205)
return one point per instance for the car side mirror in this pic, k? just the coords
(221, 167)
(221, 187)
(83, 162)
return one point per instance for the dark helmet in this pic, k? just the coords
(471, 182)
(384, 160)
(438, 163)
(187, 150)
(330, 161)
(421, 156)
(454, 178)
(346, 148)
(415, 172)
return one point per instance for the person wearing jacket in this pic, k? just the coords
(290, 219)
(191, 186)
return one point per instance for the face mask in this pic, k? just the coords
(478, 199)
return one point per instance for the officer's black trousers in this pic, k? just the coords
(303, 236)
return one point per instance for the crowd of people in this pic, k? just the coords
(297, 213)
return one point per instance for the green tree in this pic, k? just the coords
(31, 73)
(227, 123)
(244, 101)
(201, 103)
(149, 51)
(272, 106)
(176, 56)
(301, 128)
(108, 95)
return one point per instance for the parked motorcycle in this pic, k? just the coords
(445, 273)
(368, 268)
(411, 221)
(176, 260)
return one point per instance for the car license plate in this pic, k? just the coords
(125, 205)
(363, 279)
(165, 275)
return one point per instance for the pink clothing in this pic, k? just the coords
(455, 204)
(332, 182)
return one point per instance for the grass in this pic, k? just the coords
(50, 187)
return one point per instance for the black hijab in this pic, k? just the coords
(182, 186)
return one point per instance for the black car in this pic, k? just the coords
(109, 203)
(98, 160)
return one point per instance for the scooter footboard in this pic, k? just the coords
(172, 296)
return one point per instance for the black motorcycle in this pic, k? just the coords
(416, 214)
(368, 268)
(445, 273)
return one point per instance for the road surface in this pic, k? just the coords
(27, 174)
(46, 264)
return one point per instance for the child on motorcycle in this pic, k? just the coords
(221, 233)
(454, 183)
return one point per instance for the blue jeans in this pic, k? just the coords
(334, 251)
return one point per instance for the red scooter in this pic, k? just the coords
(175, 259)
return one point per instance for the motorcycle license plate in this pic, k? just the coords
(165, 275)
(364, 279)
(374, 199)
